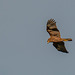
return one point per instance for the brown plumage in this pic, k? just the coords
(55, 36)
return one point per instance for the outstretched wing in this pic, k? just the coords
(52, 28)
(60, 46)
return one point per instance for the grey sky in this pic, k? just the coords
(23, 37)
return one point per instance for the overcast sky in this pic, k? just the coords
(23, 37)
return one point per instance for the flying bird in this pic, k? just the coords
(55, 36)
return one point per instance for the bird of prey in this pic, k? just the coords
(55, 36)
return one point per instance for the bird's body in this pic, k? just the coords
(57, 39)
(55, 36)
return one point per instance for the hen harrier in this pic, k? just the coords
(55, 36)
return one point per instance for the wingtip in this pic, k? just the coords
(51, 21)
(65, 52)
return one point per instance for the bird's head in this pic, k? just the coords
(48, 41)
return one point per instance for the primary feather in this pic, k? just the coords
(60, 46)
(52, 28)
